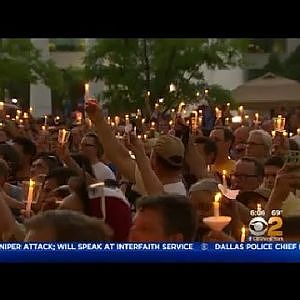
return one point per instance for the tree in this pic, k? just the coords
(131, 67)
(21, 63)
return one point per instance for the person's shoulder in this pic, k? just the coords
(177, 188)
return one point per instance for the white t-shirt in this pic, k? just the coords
(103, 172)
(176, 188)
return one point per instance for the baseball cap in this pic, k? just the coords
(207, 184)
(171, 149)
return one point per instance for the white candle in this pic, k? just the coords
(241, 110)
(30, 196)
(25, 115)
(30, 109)
(256, 117)
(86, 92)
(45, 122)
(148, 93)
(18, 112)
(224, 181)
(117, 120)
(1, 105)
(108, 120)
(258, 207)
(145, 136)
(243, 235)
(217, 204)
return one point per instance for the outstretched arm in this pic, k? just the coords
(115, 151)
(151, 182)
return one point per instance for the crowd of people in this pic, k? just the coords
(100, 185)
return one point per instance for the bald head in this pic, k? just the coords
(241, 135)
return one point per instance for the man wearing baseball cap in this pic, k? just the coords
(166, 157)
(166, 160)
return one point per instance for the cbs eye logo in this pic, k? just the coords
(258, 226)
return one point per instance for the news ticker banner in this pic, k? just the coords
(149, 252)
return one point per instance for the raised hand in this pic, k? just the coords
(94, 110)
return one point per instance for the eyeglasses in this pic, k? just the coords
(254, 144)
(87, 145)
(242, 176)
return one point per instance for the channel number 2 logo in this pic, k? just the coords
(258, 226)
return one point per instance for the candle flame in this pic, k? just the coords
(224, 172)
(218, 197)
(31, 183)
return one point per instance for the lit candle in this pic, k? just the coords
(198, 94)
(217, 204)
(285, 134)
(171, 123)
(258, 207)
(18, 112)
(224, 181)
(298, 131)
(1, 105)
(156, 106)
(117, 120)
(218, 113)
(145, 136)
(7, 116)
(206, 91)
(161, 100)
(226, 121)
(17, 118)
(256, 117)
(30, 196)
(112, 124)
(25, 115)
(208, 168)
(228, 104)
(21, 121)
(139, 113)
(30, 109)
(45, 122)
(279, 123)
(43, 128)
(143, 121)
(63, 136)
(243, 235)
(148, 93)
(241, 110)
(108, 120)
(152, 125)
(139, 137)
(126, 120)
(86, 92)
(291, 134)
(1, 125)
